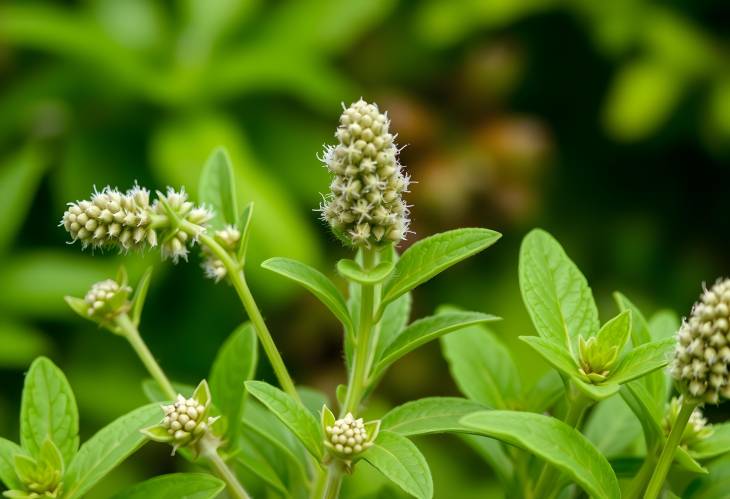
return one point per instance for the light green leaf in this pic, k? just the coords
(555, 292)
(234, 365)
(492, 451)
(428, 257)
(174, 486)
(399, 460)
(545, 393)
(430, 415)
(140, 295)
(21, 343)
(351, 270)
(642, 360)
(244, 227)
(482, 366)
(107, 448)
(615, 332)
(296, 417)
(217, 189)
(554, 441)
(639, 328)
(663, 324)
(48, 410)
(684, 461)
(427, 329)
(640, 402)
(314, 281)
(612, 427)
(714, 445)
(8, 451)
(394, 320)
(20, 176)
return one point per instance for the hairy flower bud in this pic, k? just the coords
(129, 222)
(697, 428)
(228, 238)
(365, 205)
(702, 354)
(186, 421)
(106, 299)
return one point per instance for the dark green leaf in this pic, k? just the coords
(217, 189)
(154, 393)
(399, 460)
(175, 486)
(244, 227)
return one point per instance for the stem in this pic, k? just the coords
(208, 449)
(670, 447)
(638, 483)
(334, 482)
(579, 403)
(130, 331)
(238, 280)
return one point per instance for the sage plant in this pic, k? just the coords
(255, 439)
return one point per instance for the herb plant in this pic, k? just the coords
(253, 439)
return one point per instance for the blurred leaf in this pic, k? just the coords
(555, 292)
(217, 189)
(714, 445)
(154, 393)
(546, 392)
(424, 330)
(48, 410)
(493, 452)
(312, 399)
(641, 99)
(482, 367)
(21, 344)
(35, 282)
(234, 365)
(8, 451)
(718, 109)
(612, 427)
(20, 175)
(399, 459)
(140, 295)
(663, 324)
(640, 401)
(178, 151)
(554, 441)
(432, 255)
(107, 448)
(430, 415)
(135, 24)
(297, 418)
(713, 485)
(250, 457)
(395, 317)
(174, 486)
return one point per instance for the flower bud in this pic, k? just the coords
(346, 438)
(595, 359)
(186, 421)
(365, 205)
(40, 475)
(697, 428)
(702, 354)
(107, 299)
(228, 238)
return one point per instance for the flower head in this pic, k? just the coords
(40, 475)
(702, 354)
(365, 205)
(185, 421)
(346, 438)
(229, 238)
(595, 359)
(106, 299)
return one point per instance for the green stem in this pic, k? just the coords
(334, 482)
(547, 480)
(131, 333)
(670, 448)
(209, 450)
(238, 280)
(638, 483)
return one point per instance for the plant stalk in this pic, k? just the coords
(235, 488)
(334, 482)
(638, 484)
(670, 448)
(238, 280)
(131, 333)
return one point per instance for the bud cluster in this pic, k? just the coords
(595, 361)
(365, 205)
(702, 353)
(40, 476)
(347, 437)
(697, 428)
(229, 237)
(106, 299)
(129, 221)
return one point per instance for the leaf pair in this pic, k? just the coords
(563, 311)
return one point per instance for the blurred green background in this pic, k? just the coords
(607, 123)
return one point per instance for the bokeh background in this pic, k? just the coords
(607, 123)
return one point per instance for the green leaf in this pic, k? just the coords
(555, 442)
(234, 365)
(711, 486)
(140, 295)
(427, 329)
(154, 393)
(612, 427)
(714, 445)
(297, 418)
(353, 271)
(545, 393)
(430, 415)
(684, 461)
(428, 257)
(555, 292)
(492, 451)
(312, 399)
(314, 281)
(48, 410)
(107, 448)
(663, 324)
(174, 486)
(21, 343)
(399, 460)
(642, 360)
(8, 451)
(217, 189)
(615, 332)
(640, 402)
(482, 366)
(252, 458)
(394, 320)
(244, 227)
